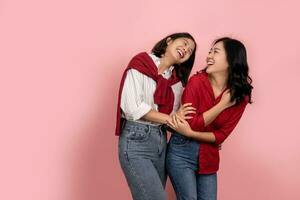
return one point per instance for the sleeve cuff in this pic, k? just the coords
(141, 111)
(197, 122)
(219, 138)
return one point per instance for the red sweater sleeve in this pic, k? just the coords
(191, 95)
(223, 132)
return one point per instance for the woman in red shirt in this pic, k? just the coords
(220, 94)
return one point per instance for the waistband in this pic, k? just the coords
(162, 128)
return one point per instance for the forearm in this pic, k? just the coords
(210, 115)
(155, 116)
(208, 137)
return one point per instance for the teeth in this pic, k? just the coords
(210, 62)
(180, 53)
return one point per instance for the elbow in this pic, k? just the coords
(219, 138)
(196, 125)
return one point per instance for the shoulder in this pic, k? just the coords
(141, 55)
(242, 105)
(245, 101)
(140, 59)
(198, 78)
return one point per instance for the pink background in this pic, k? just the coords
(61, 63)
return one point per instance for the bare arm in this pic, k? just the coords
(210, 115)
(155, 116)
(215, 136)
(182, 126)
(202, 119)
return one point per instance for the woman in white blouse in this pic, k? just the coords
(149, 95)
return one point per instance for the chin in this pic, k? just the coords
(208, 70)
(174, 57)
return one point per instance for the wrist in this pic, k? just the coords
(168, 118)
(221, 105)
(190, 133)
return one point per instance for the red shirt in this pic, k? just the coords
(199, 92)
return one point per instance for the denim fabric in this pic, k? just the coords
(142, 151)
(182, 166)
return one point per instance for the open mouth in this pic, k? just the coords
(181, 53)
(210, 62)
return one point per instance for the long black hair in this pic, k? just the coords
(183, 70)
(239, 81)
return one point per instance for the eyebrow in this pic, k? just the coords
(188, 43)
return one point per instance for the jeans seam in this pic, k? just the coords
(175, 185)
(139, 184)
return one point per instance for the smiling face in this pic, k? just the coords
(216, 59)
(180, 49)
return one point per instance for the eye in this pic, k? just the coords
(185, 42)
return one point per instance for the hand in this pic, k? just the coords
(225, 99)
(180, 125)
(184, 110)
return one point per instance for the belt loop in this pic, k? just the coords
(148, 128)
(163, 128)
(123, 122)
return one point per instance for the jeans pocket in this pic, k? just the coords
(179, 140)
(139, 135)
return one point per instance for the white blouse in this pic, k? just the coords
(137, 97)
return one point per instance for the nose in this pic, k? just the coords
(210, 55)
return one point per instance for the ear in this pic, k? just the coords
(169, 40)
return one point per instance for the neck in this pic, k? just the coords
(165, 63)
(219, 80)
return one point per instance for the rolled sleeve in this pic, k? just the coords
(197, 122)
(140, 111)
(224, 131)
(132, 99)
(190, 96)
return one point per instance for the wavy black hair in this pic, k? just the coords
(183, 70)
(239, 81)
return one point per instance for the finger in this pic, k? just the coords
(186, 105)
(174, 121)
(182, 120)
(189, 112)
(187, 117)
(177, 119)
(169, 123)
(226, 93)
(189, 108)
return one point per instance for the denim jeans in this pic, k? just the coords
(142, 152)
(182, 166)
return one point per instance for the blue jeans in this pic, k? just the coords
(182, 166)
(142, 152)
